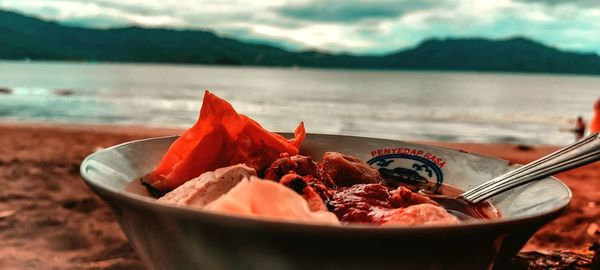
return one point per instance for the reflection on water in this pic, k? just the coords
(476, 107)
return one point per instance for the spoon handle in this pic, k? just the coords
(580, 153)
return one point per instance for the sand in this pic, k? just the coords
(49, 219)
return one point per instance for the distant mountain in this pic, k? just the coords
(516, 54)
(23, 37)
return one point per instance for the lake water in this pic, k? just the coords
(447, 106)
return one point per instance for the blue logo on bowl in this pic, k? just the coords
(410, 166)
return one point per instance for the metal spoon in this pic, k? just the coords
(580, 153)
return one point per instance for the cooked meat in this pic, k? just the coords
(307, 166)
(403, 197)
(347, 170)
(300, 165)
(301, 185)
(361, 203)
(360, 195)
(280, 167)
(375, 204)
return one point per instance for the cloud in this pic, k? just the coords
(564, 27)
(351, 10)
(579, 3)
(356, 26)
(138, 8)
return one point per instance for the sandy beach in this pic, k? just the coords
(49, 219)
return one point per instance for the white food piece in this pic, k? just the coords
(267, 199)
(207, 187)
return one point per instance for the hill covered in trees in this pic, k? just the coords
(23, 37)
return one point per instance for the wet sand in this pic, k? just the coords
(49, 219)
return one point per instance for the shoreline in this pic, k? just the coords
(50, 218)
(321, 68)
(491, 148)
(97, 128)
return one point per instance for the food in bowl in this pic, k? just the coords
(168, 237)
(228, 163)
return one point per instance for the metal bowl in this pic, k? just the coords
(171, 237)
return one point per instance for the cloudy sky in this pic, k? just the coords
(356, 26)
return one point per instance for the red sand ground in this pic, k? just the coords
(49, 219)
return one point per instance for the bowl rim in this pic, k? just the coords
(120, 195)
